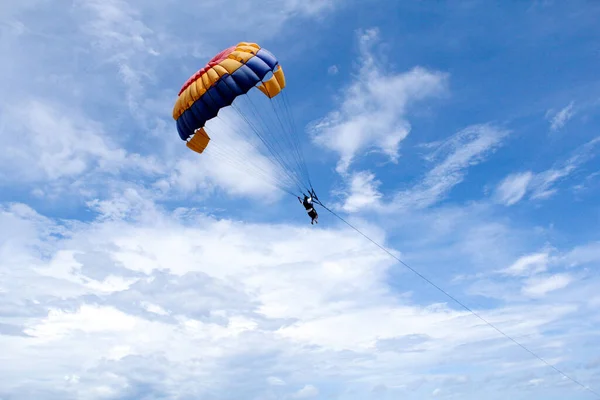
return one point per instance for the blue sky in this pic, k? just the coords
(463, 137)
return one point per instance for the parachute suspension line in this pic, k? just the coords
(271, 139)
(461, 303)
(284, 178)
(269, 147)
(288, 136)
(256, 131)
(297, 159)
(294, 144)
(290, 118)
(292, 135)
(192, 111)
(277, 155)
(289, 141)
(271, 135)
(278, 139)
(224, 153)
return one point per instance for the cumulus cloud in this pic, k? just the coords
(130, 294)
(362, 192)
(372, 113)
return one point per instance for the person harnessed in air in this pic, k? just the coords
(312, 213)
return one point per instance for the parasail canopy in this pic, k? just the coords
(226, 81)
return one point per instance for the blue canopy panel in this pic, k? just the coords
(224, 92)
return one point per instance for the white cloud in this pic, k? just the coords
(512, 189)
(583, 255)
(273, 380)
(537, 275)
(363, 192)
(560, 118)
(88, 319)
(451, 159)
(241, 294)
(542, 185)
(306, 392)
(119, 33)
(528, 265)
(63, 146)
(153, 308)
(100, 58)
(536, 382)
(561, 170)
(60, 144)
(115, 25)
(455, 155)
(373, 111)
(333, 70)
(540, 286)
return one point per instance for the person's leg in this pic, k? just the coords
(313, 216)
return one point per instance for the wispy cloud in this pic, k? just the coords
(542, 185)
(540, 286)
(558, 119)
(538, 274)
(372, 113)
(583, 255)
(530, 264)
(512, 189)
(451, 159)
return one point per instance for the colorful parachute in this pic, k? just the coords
(228, 80)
